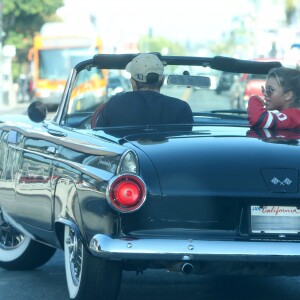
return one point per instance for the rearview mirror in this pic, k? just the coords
(188, 80)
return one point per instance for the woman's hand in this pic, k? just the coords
(263, 102)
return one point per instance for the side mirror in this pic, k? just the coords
(37, 111)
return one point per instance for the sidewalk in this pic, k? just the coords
(10, 105)
(16, 108)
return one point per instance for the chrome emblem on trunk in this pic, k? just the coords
(276, 181)
(281, 180)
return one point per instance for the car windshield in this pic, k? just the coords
(210, 92)
(199, 98)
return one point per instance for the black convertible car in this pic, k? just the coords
(214, 197)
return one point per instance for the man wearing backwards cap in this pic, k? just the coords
(145, 105)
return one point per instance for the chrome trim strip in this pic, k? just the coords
(104, 246)
(78, 166)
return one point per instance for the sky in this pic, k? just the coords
(194, 20)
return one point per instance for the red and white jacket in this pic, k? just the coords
(260, 117)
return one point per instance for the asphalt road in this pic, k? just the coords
(48, 283)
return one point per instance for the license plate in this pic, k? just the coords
(275, 219)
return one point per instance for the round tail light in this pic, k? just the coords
(126, 193)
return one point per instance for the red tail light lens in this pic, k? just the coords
(126, 193)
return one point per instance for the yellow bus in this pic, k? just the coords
(56, 49)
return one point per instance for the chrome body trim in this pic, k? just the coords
(170, 249)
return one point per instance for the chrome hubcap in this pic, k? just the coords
(75, 249)
(10, 237)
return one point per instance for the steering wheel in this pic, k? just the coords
(96, 115)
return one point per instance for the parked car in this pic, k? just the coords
(213, 77)
(225, 82)
(215, 197)
(117, 84)
(252, 85)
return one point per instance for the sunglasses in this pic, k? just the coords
(268, 91)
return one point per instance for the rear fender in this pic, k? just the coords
(67, 211)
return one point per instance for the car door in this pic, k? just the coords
(35, 183)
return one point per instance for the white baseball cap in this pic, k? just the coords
(143, 64)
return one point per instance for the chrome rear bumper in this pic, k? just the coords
(168, 249)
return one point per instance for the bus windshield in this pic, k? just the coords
(57, 63)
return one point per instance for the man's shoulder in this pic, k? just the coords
(176, 101)
(149, 96)
(120, 97)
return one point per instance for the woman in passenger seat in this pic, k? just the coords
(280, 107)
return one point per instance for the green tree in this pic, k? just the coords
(21, 20)
(160, 44)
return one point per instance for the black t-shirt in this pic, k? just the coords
(144, 108)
